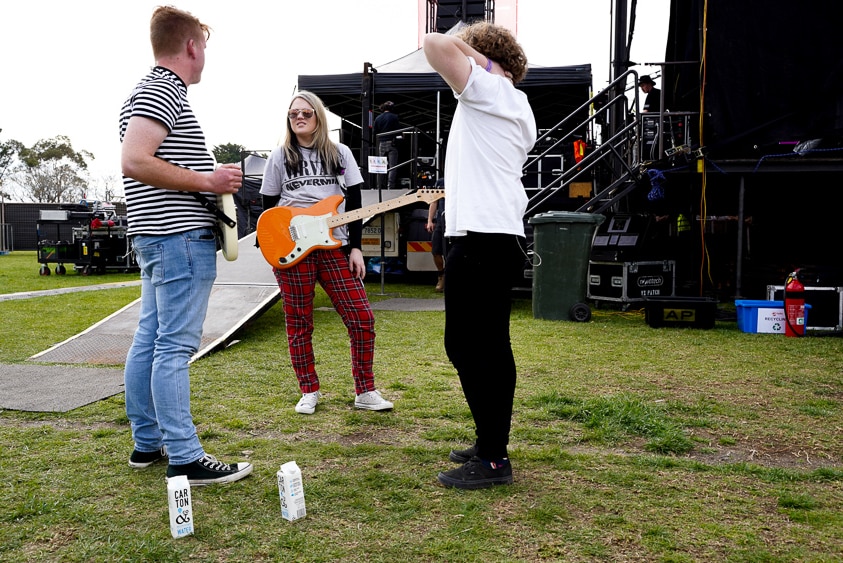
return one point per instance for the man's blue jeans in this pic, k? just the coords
(177, 275)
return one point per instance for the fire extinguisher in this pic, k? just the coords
(794, 305)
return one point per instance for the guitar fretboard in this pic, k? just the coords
(426, 196)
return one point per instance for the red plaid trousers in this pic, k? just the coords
(348, 295)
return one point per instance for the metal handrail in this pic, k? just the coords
(621, 153)
(616, 147)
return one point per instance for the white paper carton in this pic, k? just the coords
(181, 509)
(291, 491)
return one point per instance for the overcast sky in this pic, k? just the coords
(68, 66)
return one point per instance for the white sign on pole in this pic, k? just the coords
(377, 164)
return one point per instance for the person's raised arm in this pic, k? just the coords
(447, 55)
(138, 161)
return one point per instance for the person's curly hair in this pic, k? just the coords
(497, 43)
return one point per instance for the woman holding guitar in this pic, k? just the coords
(307, 168)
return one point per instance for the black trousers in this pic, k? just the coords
(481, 271)
(390, 151)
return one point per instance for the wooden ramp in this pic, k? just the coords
(243, 290)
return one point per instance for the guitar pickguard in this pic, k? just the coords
(308, 232)
(229, 233)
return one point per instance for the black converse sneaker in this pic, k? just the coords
(461, 456)
(140, 460)
(209, 470)
(476, 474)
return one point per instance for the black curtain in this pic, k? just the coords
(773, 75)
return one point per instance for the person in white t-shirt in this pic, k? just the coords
(491, 134)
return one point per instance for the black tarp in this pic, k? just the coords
(422, 97)
(772, 76)
(551, 90)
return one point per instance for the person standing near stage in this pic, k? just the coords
(436, 227)
(491, 134)
(651, 125)
(164, 161)
(387, 122)
(304, 170)
(653, 101)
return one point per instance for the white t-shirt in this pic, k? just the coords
(491, 135)
(313, 184)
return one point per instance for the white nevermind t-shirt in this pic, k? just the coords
(491, 135)
(313, 184)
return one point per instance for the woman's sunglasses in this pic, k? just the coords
(294, 113)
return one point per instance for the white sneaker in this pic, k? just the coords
(307, 403)
(372, 401)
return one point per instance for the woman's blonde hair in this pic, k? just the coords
(322, 144)
(497, 43)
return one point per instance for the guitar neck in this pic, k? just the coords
(426, 196)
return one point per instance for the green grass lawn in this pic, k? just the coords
(629, 443)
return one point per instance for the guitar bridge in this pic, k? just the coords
(294, 232)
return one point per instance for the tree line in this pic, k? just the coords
(52, 171)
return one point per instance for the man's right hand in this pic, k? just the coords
(227, 179)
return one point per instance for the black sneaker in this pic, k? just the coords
(140, 460)
(461, 456)
(209, 470)
(475, 475)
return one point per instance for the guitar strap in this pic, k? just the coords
(213, 208)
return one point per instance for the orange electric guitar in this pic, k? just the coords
(287, 234)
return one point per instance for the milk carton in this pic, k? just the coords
(291, 491)
(181, 511)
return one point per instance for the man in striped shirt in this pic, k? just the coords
(165, 158)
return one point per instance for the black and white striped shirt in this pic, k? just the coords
(162, 96)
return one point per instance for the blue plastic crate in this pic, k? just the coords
(766, 317)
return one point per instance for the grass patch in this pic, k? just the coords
(611, 419)
(628, 443)
(19, 272)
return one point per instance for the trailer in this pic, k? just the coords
(89, 235)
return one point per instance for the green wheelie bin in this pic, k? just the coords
(561, 250)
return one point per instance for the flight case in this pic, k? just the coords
(627, 282)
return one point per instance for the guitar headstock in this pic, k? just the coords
(429, 196)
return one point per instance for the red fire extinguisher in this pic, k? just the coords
(794, 305)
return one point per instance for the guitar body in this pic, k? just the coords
(229, 234)
(287, 234)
